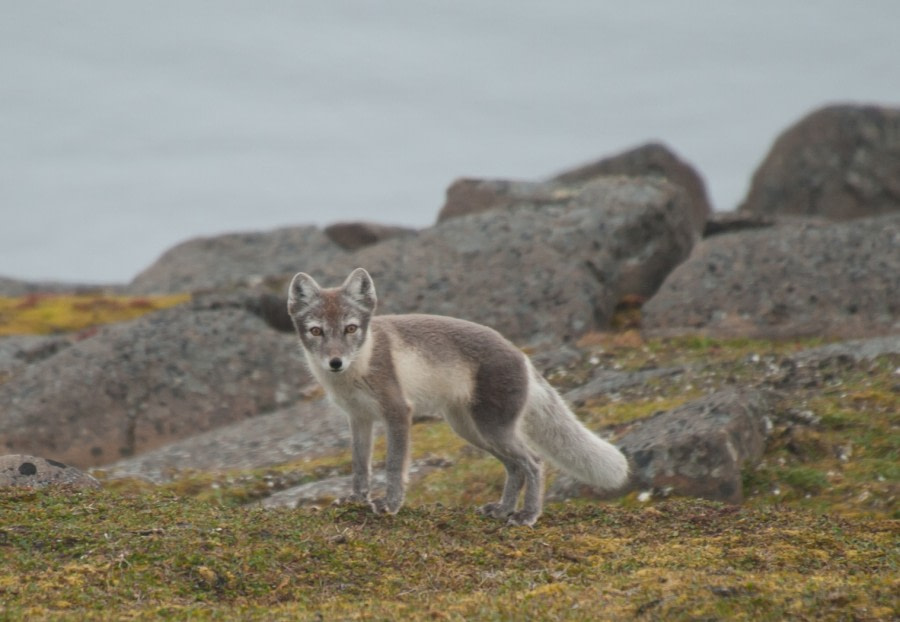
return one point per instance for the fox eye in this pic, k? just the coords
(315, 331)
(351, 328)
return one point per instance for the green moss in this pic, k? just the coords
(805, 479)
(101, 554)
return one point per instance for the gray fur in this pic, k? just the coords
(487, 390)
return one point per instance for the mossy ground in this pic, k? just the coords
(41, 314)
(155, 555)
(816, 539)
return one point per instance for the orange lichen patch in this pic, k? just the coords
(42, 314)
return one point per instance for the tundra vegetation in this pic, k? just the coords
(815, 539)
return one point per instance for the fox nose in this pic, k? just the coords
(336, 364)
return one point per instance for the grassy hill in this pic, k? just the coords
(816, 539)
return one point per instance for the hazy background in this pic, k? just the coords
(126, 127)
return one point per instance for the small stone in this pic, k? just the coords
(34, 472)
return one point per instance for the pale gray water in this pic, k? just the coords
(126, 127)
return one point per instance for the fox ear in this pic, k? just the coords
(301, 292)
(360, 288)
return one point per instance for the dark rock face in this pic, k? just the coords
(839, 162)
(352, 236)
(534, 272)
(233, 259)
(695, 450)
(33, 472)
(840, 279)
(650, 160)
(135, 386)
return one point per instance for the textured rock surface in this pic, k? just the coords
(304, 430)
(135, 386)
(471, 196)
(652, 160)
(839, 162)
(856, 350)
(34, 472)
(19, 351)
(352, 236)
(534, 272)
(840, 279)
(234, 259)
(695, 450)
(611, 381)
(332, 489)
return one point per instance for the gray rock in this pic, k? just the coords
(695, 450)
(471, 196)
(839, 162)
(856, 350)
(333, 489)
(731, 222)
(138, 385)
(19, 351)
(840, 279)
(352, 236)
(304, 430)
(611, 381)
(649, 160)
(234, 259)
(551, 359)
(33, 472)
(534, 272)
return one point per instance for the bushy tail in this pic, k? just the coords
(553, 430)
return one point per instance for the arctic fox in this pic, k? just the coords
(390, 366)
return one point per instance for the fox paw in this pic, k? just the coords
(523, 518)
(382, 505)
(494, 510)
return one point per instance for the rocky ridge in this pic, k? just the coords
(210, 384)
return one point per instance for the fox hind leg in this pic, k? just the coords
(523, 470)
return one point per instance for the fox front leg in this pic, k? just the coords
(361, 438)
(397, 462)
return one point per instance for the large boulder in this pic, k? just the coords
(649, 160)
(695, 450)
(534, 271)
(839, 162)
(233, 259)
(838, 279)
(467, 195)
(138, 385)
(471, 196)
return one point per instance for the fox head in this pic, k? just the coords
(332, 324)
